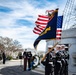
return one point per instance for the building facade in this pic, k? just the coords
(68, 37)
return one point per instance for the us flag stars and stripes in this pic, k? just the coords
(59, 27)
(41, 24)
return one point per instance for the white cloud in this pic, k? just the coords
(21, 9)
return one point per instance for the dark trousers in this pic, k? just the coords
(48, 69)
(29, 63)
(62, 68)
(25, 64)
(4, 61)
(66, 70)
(57, 68)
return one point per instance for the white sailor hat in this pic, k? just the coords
(58, 46)
(63, 45)
(66, 47)
(50, 46)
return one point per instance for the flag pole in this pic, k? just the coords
(49, 51)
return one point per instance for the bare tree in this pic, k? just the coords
(9, 45)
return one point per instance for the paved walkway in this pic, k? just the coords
(15, 68)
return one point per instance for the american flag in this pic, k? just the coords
(59, 27)
(41, 23)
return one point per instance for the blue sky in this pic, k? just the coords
(17, 19)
